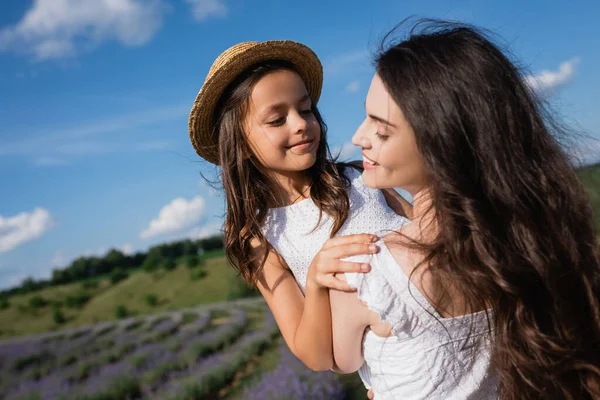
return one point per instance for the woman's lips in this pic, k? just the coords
(368, 163)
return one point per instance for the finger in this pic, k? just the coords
(333, 283)
(352, 249)
(344, 266)
(346, 239)
(370, 394)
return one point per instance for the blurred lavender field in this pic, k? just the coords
(292, 380)
(192, 354)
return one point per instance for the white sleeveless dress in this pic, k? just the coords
(291, 229)
(418, 361)
(426, 357)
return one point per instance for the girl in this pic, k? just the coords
(256, 117)
(493, 289)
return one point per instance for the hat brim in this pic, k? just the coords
(201, 123)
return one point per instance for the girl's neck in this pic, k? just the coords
(290, 187)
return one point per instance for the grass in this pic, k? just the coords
(590, 176)
(19, 319)
(175, 288)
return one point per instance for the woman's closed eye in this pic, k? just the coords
(381, 136)
(306, 112)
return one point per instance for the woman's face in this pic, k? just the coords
(390, 155)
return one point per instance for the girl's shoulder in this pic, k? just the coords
(352, 171)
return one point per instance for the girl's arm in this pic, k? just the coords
(305, 322)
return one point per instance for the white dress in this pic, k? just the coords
(291, 229)
(418, 362)
(426, 357)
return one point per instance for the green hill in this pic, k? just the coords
(590, 176)
(172, 290)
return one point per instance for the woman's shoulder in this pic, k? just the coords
(382, 289)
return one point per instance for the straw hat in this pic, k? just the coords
(231, 63)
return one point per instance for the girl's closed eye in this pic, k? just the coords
(276, 121)
(306, 112)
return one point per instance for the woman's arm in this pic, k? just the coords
(350, 317)
(305, 322)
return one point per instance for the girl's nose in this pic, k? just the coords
(298, 122)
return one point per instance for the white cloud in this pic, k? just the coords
(98, 252)
(345, 62)
(23, 227)
(59, 259)
(347, 151)
(547, 81)
(353, 87)
(204, 9)
(201, 232)
(53, 29)
(127, 249)
(179, 214)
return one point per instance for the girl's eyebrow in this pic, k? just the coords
(277, 106)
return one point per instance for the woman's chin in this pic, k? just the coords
(370, 180)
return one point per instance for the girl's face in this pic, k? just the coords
(390, 155)
(279, 124)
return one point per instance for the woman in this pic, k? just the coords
(493, 288)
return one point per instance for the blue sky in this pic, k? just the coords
(95, 94)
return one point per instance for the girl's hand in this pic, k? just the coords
(328, 261)
(370, 394)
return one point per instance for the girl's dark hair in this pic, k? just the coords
(248, 188)
(515, 225)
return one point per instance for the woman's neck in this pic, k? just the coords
(423, 218)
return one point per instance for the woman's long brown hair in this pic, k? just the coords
(515, 225)
(247, 186)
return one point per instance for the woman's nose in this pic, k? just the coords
(360, 139)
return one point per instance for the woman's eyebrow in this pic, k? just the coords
(379, 119)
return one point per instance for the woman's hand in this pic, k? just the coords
(370, 394)
(328, 261)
